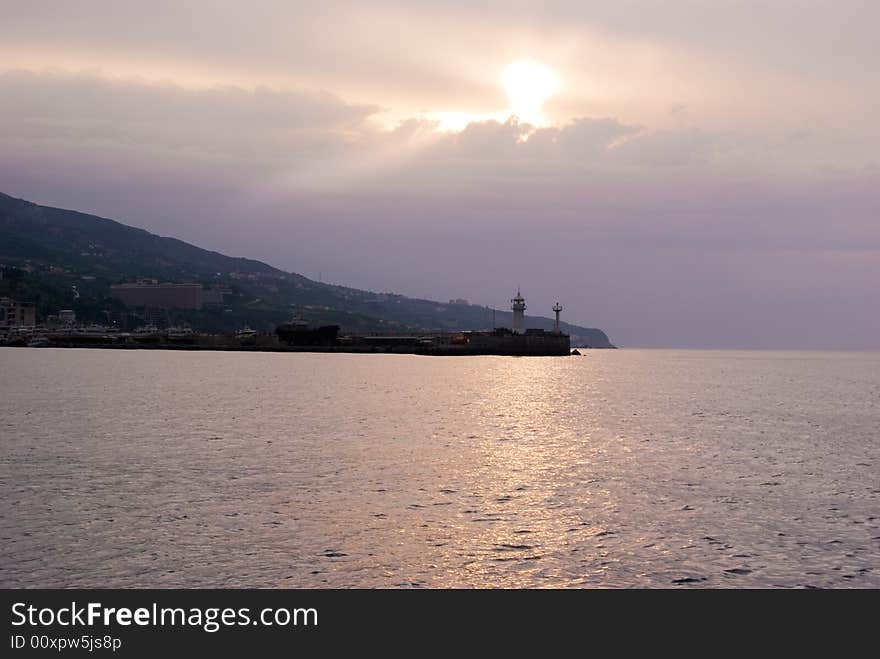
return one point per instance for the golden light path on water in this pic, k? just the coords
(620, 468)
(530, 460)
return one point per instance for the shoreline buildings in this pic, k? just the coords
(297, 335)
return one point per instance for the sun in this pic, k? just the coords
(529, 85)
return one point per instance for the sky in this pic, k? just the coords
(679, 173)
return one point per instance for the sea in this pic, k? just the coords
(615, 469)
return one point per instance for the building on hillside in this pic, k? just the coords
(214, 296)
(165, 295)
(16, 314)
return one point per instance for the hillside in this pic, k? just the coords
(64, 259)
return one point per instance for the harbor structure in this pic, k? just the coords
(298, 335)
(518, 305)
(518, 341)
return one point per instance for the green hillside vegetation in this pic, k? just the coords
(61, 259)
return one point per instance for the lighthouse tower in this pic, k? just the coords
(518, 304)
(557, 308)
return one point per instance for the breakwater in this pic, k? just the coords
(497, 342)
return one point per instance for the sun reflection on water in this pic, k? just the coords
(532, 450)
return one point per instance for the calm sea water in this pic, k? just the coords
(616, 469)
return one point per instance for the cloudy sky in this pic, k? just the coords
(695, 173)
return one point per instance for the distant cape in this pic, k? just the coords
(67, 259)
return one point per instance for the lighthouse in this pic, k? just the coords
(556, 309)
(518, 304)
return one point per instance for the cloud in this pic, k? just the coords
(85, 111)
(306, 142)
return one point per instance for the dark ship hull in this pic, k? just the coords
(296, 334)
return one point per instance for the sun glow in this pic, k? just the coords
(455, 122)
(529, 85)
